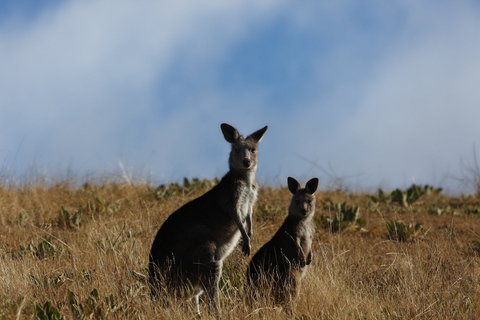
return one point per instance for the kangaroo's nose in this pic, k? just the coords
(304, 211)
(246, 163)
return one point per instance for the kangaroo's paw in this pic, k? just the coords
(246, 247)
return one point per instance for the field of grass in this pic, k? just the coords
(81, 252)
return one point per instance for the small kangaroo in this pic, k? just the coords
(278, 267)
(188, 251)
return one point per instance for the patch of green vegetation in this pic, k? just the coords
(343, 216)
(66, 219)
(98, 206)
(442, 210)
(44, 250)
(197, 184)
(399, 231)
(407, 197)
(92, 210)
(93, 307)
(473, 209)
(54, 281)
(163, 192)
(47, 312)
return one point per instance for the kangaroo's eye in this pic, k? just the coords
(253, 150)
(309, 201)
(237, 150)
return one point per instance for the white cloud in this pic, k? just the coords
(416, 115)
(81, 79)
(390, 88)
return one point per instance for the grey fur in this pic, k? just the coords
(188, 251)
(278, 267)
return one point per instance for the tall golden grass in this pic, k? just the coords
(81, 251)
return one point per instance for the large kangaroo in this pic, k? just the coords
(188, 252)
(278, 267)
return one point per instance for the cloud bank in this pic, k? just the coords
(377, 94)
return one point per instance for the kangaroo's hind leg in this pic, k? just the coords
(202, 270)
(211, 280)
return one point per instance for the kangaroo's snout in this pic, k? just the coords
(304, 211)
(247, 163)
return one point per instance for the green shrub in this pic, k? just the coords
(47, 312)
(66, 219)
(442, 210)
(163, 192)
(397, 230)
(343, 217)
(407, 197)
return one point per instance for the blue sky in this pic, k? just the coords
(367, 94)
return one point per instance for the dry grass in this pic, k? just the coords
(358, 273)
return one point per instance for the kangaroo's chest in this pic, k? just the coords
(246, 197)
(304, 236)
(305, 243)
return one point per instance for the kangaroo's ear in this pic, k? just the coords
(258, 135)
(312, 185)
(293, 185)
(230, 133)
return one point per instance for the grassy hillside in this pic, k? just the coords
(82, 251)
